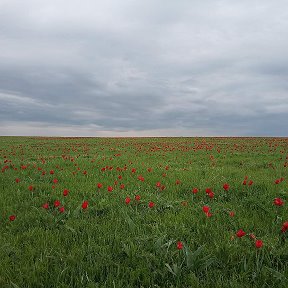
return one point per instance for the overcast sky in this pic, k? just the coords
(144, 67)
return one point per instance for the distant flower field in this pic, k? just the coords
(143, 212)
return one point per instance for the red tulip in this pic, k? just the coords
(84, 205)
(57, 203)
(45, 206)
(65, 192)
(211, 195)
(226, 186)
(12, 217)
(232, 214)
(284, 227)
(240, 233)
(61, 209)
(258, 243)
(195, 190)
(278, 202)
(208, 190)
(151, 204)
(179, 245)
(205, 209)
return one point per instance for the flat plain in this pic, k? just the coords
(143, 212)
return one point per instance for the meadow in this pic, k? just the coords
(143, 212)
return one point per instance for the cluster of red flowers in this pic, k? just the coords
(258, 243)
(133, 201)
(245, 181)
(206, 210)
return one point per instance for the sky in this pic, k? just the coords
(144, 68)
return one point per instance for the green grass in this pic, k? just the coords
(112, 244)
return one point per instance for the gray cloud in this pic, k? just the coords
(143, 67)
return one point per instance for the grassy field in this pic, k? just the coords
(143, 212)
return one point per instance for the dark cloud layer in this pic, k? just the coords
(104, 68)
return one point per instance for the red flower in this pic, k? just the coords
(133, 170)
(250, 182)
(278, 202)
(232, 214)
(151, 204)
(178, 182)
(61, 209)
(258, 243)
(84, 205)
(17, 180)
(30, 188)
(120, 177)
(65, 192)
(252, 236)
(99, 185)
(122, 186)
(12, 217)
(179, 245)
(127, 200)
(244, 182)
(240, 233)
(211, 195)
(45, 206)
(57, 203)
(51, 172)
(158, 184)
(284, 227)
(55, 181)
(205, 209)
(137, 197)
(208, 190)
(226, 186)
(141, 178)
(110, 188)
(195, 190)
